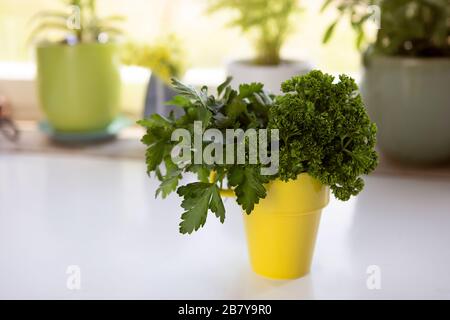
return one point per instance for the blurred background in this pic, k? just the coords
(149, 19)
(73, 188)
(206, 41)
(168, 38)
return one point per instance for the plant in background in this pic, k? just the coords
(78, 24)
(78, 77)
(419, 28)
(324, 131)
(269, 22)
(165, 57)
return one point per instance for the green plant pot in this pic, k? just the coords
(409, 100)
(79, 86)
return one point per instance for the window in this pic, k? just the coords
(208, 43)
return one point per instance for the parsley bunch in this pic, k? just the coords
(246, 108)
(324, 131)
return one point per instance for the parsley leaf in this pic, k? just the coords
(190, 92)
(249, 185)
(199, 197)
(216, 204)
(155, 154)
(169, 182)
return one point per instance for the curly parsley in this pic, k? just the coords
(324, 131)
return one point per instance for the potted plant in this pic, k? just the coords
(165, 59)
(277, 155)
(78, 75)
(406, 75)
(269, 24)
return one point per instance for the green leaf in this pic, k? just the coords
(170, 180)
(223, 86)
(249, 186)
(155, 121)
(190, 92)
(179, 101)
(199, 98)
(235, 108)
(216, 204)
(159, 174)
(201, 171)
(247, 90)
(157, 139)
(204, 116)
(196, 203)
(155, 154)
(198, 198)
(168, 185)
(329, 32)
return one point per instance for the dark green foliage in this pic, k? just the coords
(324, 131)
(417, 28)
(199, 197)
(249, 185)
(244, 108)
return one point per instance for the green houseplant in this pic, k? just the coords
(324, 139)
(407, 72)
(78, 71)
(268, 24)
(165, 58)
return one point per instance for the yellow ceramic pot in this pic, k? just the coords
(282, 229)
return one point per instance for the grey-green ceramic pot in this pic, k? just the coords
(409, 100)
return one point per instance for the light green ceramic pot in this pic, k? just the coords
(79, 86)
(409, 100)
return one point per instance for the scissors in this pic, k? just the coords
(7, 126)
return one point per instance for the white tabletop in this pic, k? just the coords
(101, 215)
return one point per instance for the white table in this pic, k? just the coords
(101, 215)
